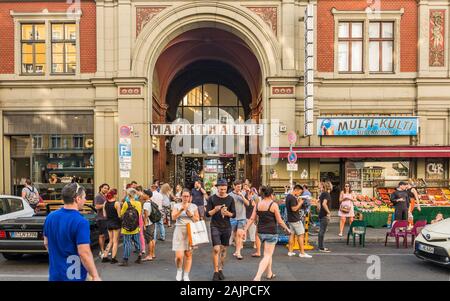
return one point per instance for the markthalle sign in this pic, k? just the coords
(367, 126)
(206, 129)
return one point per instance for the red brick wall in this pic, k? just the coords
(325, 30)
(87, 40)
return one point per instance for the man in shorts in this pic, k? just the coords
(149, 227)
(220, 208)
(293, 207)
(241, 218)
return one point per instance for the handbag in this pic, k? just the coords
(345, 208)
(197, 233)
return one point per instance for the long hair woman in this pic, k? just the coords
(166, 192)
(183, 213)
(112, 212)
(269, 218)
(346, 209)
(324, 213)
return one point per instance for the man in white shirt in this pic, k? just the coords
(159, 226)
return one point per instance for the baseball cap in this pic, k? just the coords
(148, 192)
(402, 183)
(222, 182)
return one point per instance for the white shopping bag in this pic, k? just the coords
(197, 233)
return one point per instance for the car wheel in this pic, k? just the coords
(12, 256)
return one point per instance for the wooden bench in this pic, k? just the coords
(53, 205)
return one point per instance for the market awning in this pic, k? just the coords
(364, 152)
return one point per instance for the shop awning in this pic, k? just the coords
(364, 152)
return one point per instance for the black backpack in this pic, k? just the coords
(155, 215)
(130, 219)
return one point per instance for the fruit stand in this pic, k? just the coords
(373, 211)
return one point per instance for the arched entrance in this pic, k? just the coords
(207, 75)
(217, 44)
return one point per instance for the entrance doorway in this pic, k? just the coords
(331, 171)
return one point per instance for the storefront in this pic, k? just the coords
(52, 149)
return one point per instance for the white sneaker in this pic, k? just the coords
(186, 278)
(304, 255)
(179, 275)
(290, 254)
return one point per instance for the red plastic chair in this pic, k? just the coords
(399, 229)
(415, 231)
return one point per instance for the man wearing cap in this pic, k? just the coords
(220, 207)
(400, 199)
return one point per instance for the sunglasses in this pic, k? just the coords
(78, 188)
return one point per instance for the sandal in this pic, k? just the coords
(256, 255)
(146, 259)
(271, 277)
(239, 257)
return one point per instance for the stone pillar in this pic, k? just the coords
(2, 158)
(133, 111)
(288, 34)
(106, 47)
(123, 41)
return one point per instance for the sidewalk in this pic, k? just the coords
(331, 236)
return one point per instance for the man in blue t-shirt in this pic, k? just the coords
(67, 239)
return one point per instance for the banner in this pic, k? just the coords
(367, 126)
(207, 129)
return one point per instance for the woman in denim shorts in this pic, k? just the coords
(269, 217)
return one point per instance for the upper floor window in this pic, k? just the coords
(381, 46)
(55, 141)
(78, 141)
(350, 47)
(64, 51)
(33, 48)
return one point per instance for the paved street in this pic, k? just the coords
(344, 263)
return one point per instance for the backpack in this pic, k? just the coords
(130, 219)
(155, 215)
(32, 198)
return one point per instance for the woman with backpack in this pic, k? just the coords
(31, 195)
(130, 212)
(183, 213)
(346, 207)
(113, 223)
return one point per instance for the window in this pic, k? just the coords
(78, 141)
(55, 141)
(33, 48)
(381, 46)
(37, 142)
(14, 205)
(350, 47)
(64, 51)
(2, 207)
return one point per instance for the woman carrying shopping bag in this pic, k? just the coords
(183, 213)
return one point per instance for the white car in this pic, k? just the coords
(13, 207)
(433, 243)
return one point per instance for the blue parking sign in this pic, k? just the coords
(125, 150)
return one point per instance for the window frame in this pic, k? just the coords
(63, 42)
(380, 41)
(33, 42)
(350, 41)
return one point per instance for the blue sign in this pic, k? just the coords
(367, 126)
(124, 150)
(292, 157)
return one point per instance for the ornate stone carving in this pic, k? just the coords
(282, 90)
(130, 91)
(437, 41)
(144, 14)
(269, 16)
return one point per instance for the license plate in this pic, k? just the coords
(426, 249)
(24, 234)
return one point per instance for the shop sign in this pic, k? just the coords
(292, 167)
(367, 126)
(435, 168)
(207, 129)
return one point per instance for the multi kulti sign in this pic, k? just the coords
(367, 126)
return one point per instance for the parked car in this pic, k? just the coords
(24, 235)
(14, 207)
(433, 244)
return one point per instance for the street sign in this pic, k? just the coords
(125, 166)
(292, 137)
(292, 167)
(124, 150)
(125, 140)
(125, 159)
(292, 157)
(125, 131)
(124, 173)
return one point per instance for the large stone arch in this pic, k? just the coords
(179, 19)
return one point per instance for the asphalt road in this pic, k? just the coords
(344, 263)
